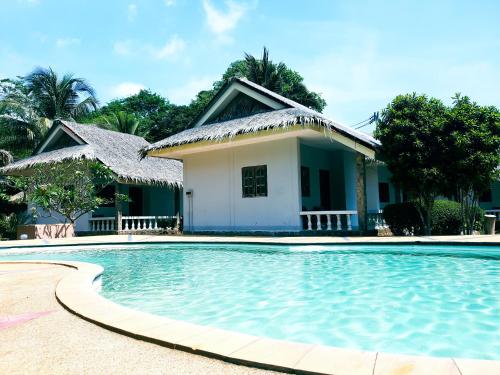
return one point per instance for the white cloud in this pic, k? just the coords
(170, 50)
(220, 22)
(67, 42)
(126, 89)
(132, 12)
(169, 3)
(123, 47)
(184, 94)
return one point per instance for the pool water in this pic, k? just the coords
(428, 300)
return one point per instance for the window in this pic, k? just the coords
(486, 197)
(254, 181)
(383, 192)
(305, 182)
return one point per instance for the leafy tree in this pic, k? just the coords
(410, 129)
(276, 77)
(471, 136)
(69, 189)
(57, 97)
(28, 106)
(121, 122)
(21, 126)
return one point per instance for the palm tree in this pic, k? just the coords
(29, 105)
(60, 98)
(121, 121)
(264, 72)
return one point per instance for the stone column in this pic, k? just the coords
(361, 192)
(118, 208)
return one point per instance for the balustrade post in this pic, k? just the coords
(339, 222)
(309, 222)
(328, 222)
(133, 223)
(155, 227)
(349, 227)
(318, 222)
(126, 224)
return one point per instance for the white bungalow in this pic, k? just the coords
(153, 185)
(257, 161)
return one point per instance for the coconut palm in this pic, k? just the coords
(264, 72)
(63, 97)
(29, 105)
(121, 121)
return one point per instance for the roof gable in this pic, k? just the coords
(233, 90)
(59, 136)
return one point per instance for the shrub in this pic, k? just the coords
(446, 218)
(403, 218)
(8, 226)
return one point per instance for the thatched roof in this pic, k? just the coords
(118, 151)
(294, 114)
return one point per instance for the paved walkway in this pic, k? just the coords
(37, 336)
(487, 239)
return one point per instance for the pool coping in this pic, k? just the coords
(77, 293)
(471, 240)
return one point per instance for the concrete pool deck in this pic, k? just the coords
(123, 238)
(75, 291)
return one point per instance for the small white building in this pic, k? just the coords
(257, 161)
(152, 185)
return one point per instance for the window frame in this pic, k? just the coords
(254, 181)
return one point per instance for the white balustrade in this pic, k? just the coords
(133, 223)
(495, 212)
(330, 216)
(376, 220)
(102, 224)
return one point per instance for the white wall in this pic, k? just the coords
(215, 179)
(81, 225)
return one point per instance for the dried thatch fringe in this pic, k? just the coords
(276, 119)
(118, 151)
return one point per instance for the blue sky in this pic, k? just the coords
(358, 54)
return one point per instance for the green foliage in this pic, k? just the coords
(471, 135)
(8, 225)
(410, 130)
(121, 122)
(68, 188)
(58, 97)
(403, 218)
(446, 218)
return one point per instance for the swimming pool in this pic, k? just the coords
(428, 300)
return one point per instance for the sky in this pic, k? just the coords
(358, 54)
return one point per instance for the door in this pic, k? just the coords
(135, 205)
(324, 189)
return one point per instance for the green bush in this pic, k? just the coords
(8, 226)
(403, 219)
(446, 218)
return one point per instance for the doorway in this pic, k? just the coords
(324, 189)
(135, 205)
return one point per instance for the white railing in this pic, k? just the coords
(102, 224)
(376, 220)
(134, 223)
(334, 219)
(493, 212)
(148, 223)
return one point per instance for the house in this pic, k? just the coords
(257, 161)
(153, 185)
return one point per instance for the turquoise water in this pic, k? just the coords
(440, 301)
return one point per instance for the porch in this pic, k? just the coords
(338, 188)
(149, 208)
